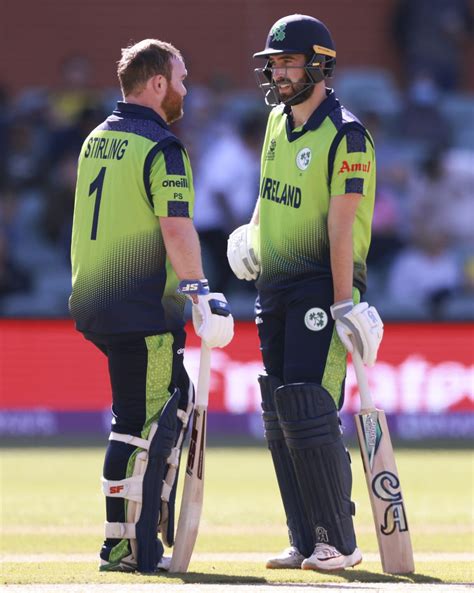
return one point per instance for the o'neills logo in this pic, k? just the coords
(183, 182)
(346, 168)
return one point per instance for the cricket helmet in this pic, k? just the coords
(298, 34)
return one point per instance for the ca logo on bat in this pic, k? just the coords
(386, 486)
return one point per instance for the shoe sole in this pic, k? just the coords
(306, 567)
(286, 567)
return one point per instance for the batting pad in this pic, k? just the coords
(299, 526)
(310, 425)
(143, 489)
(170, 483)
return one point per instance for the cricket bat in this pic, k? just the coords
(383, 483)
(193, 490)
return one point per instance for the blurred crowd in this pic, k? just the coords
(421, 263)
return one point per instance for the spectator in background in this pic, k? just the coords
(423, 276)
(4, 115)
(421, 120)
(430, 36)
(429, 272)
(75, 92)
(24, 161)
(13, 278)
(68, 138)
(386, 236)
(226, 188)
(59, 204)
(390, 195)
(442, 198)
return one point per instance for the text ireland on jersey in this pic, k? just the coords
(282, 193)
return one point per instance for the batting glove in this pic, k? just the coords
(212, 319)
(359, 326)
(241, 254)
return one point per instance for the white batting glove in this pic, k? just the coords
(241, 254)
(212, 319)
(360, 326)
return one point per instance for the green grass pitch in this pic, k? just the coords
(52, 519)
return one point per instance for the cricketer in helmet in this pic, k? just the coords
(306, 248)
(315, 51)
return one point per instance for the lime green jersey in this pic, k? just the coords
(132, 170)
(301, 169)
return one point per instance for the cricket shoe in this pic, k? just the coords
(289, 558)
(129, 564)
(328, 558)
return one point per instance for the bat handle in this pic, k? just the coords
(204, 377)
(366, 402)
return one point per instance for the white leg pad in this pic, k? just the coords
(129, 488)
(132, 488)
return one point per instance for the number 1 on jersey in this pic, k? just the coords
(96, 186)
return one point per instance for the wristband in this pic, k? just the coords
(190, 287)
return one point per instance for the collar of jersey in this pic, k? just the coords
(132, 110)
(316, 118)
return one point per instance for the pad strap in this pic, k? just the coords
(129, 488)
(120, 530)
(130, 440)
(173, 462)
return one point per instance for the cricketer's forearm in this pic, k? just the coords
(341, 217)
(256, 213)
(182, 246)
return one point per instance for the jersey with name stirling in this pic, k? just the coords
(301, 169)
(131, 171)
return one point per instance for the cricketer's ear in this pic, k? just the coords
(158, 84)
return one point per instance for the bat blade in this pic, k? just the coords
(383, 483)
(193, 489)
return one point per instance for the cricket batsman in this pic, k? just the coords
(135, 259)
(306, 248)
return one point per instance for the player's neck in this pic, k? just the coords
(302, 112)
(147, 100)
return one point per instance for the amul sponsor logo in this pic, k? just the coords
(355, 167)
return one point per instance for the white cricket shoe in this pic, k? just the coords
(164, 563)
(327, 558)
(290, 558)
